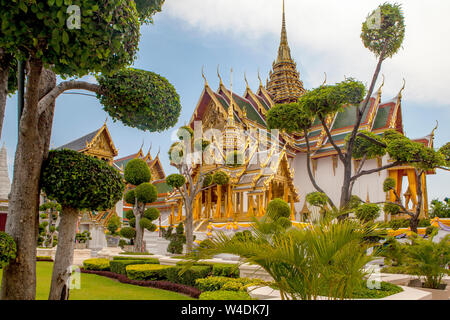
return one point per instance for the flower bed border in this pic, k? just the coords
(165, 285)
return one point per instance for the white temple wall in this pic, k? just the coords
(331, 182)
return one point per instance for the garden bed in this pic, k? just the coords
(165, 285)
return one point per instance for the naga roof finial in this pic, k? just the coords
(203, 75)
(246, 82)
(218, 74)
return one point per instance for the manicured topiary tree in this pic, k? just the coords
(137, 173)
(52, 209)
(104, 39)
(177, 239)
(382, 33)
(279, 212)
(367, 212)
(423, 159)
(129, 233)
(77, 182)
(185, 155)
(7, 249)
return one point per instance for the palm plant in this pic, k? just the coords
(326, 259)
(429, 259)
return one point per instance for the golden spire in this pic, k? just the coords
(284, 52)
(203, 75)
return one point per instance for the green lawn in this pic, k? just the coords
(94, 287)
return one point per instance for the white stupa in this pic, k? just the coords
(5, 184)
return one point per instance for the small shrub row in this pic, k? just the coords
(147, 271)
(151, 260)
(188, 276)
(98, 264)
(218, 269)
(137, 253)
(224, 295)
(119, 266)
(164, 285)
(225, 283)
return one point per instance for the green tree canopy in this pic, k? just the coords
(176, 180)
(384, 30)
(146, 193)
(137, 172)
(140, 99)
(289, 117)
(80, 182)
(107, 39)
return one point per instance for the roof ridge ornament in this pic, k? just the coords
(245, 78)
(324, 81)
(218, 74)
(203, 75)
(403, 88)
(259, 78)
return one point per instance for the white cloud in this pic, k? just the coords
(324, 37)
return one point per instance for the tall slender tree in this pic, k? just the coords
(77, 182)
(382, 33)
(106, 41)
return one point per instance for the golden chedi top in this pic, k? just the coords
(285, 85)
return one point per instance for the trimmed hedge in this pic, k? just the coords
(225, 270)
(224, 295)
(222, 283)
(147, 271)
(98, 264)
(189, 276)
(164, 285)
(119, 266)
(151, 260)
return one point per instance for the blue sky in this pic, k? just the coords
(191, 33)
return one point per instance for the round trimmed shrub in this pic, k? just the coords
(390, 32)
(130, 197)
(176, 152)
(389, 184)
(278, 208)
(137, 172)
(221, 178)
(147, 224)
(128, 232)
(391, 208)
(317, 199)
(151, 214)
(129, 214)
(146, 193)
(207, 180)
(284, 222)
(367, 212)
(81, 182)
(132, 222)
(8, 249)
(140, 99)
(176, 180)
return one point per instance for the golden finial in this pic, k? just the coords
(159, 150)
(403, 88)
(245, 78)
(203, 75)
(259, 78)
(218, 74)
(325, 81)
(106, 120)
(435, 128)
(142, 145)
(150, 148)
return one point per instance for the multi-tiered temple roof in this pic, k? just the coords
(284, 84)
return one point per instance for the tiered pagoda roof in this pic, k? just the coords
(284, 84)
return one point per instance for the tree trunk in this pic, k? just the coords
(5, 60)
(138, 213)
(414, 221)
(19, 277)
(345, 191)
(188, 224)
(59, 289)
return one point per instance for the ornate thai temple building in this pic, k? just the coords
(99, 144)
(275, 166)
